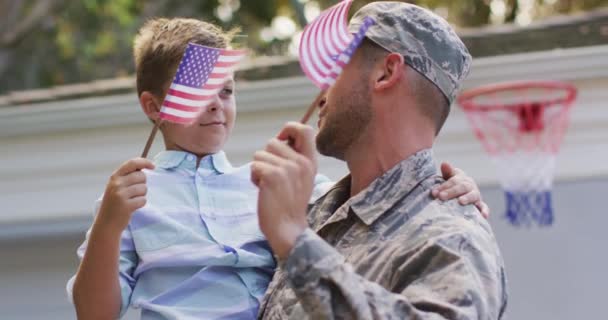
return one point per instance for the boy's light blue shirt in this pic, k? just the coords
(195, 250)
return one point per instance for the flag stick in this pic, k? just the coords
(151, 139)
(307, 115)
(312, 108)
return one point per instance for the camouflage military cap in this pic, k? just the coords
(427, 42)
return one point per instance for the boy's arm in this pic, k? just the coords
(462, 187)
(97, 291)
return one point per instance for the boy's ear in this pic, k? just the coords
(149, 105)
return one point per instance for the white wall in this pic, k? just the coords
(56, 157)
(553, 273)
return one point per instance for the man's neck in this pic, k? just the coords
(371, 157)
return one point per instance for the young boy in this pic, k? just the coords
(179, 237)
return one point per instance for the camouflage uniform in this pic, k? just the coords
(391, 252)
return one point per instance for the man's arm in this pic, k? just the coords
(436, 280)
(326, 285)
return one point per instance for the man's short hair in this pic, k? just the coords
(371, 52)
(430, 100)
(160, 44)
(427, 96)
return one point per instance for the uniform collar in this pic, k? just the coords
(380, 196)
(171, 159)
(384, 192)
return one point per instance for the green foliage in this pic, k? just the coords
(84, 40)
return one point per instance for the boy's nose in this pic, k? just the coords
(215, 104)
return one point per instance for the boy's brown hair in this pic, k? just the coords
(160, 44)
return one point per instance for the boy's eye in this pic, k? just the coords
(227, 91)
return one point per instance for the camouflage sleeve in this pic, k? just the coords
(430, 281)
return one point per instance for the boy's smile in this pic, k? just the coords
(213, 124)
(210, 131)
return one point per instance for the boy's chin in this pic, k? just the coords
(199, 147)
(206, 149)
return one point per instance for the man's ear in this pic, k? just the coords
(149, 105)
(390, 72)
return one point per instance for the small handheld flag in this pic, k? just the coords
(200, 76)
(326, 45)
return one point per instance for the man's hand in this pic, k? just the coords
(460, 185)
(125, 193)
(285, 176)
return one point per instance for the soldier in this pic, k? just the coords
(378, 245)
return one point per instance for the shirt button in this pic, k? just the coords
(190, 157)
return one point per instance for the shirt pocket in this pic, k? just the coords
(156, 233)
(234, 231)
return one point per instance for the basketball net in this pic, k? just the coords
(521, 127)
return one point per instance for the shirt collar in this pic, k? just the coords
(171, 159)
(329, 205)
(384, 192)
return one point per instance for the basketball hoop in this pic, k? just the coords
(521, 126)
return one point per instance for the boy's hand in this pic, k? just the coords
(460, 185)
(125, 193)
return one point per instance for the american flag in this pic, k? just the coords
(200, 76)
(326, 45)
